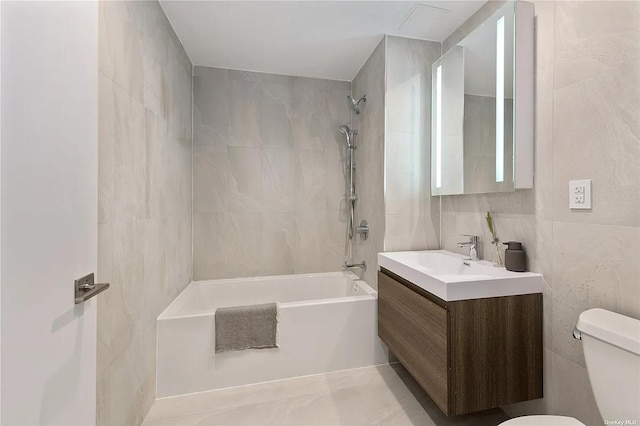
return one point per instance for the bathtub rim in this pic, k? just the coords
(370, 292)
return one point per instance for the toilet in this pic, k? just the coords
(611, 344)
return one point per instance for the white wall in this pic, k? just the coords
(49, 210)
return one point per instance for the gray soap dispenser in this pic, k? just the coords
(514, 257)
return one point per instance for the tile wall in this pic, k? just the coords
(269, 178)
(144, 234)
(412, 217)
(370, 81)
(393, 156)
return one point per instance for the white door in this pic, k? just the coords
(49, 148)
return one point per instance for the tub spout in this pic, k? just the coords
(351, 266)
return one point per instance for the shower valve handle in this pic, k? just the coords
(363, 229)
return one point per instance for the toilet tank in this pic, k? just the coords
(611, 344)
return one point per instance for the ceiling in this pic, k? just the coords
(322, 39)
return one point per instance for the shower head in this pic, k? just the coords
(355, 105)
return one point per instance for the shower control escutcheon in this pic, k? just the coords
(363, 229)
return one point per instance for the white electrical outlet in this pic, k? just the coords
(580, 194)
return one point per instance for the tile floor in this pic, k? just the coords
(381, 395)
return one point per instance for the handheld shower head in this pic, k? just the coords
(346, 130)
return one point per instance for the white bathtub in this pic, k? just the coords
(328, 322)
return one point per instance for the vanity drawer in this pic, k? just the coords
(415, 329)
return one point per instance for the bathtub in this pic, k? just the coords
(327, 322)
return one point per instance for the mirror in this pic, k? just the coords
(482, 107)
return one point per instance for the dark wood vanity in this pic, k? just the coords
(468, 355)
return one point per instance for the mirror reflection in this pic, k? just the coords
(472, 113)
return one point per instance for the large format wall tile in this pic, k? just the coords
(121, 256)
(244, 103)
(168, 177)
(596, 267)
(122, 165)
(157, 51)
(594, 37)
(408, 179)
(121, 263)
(370, 161)
(209, 246)
(409, 232)
(311, 243)
(120, 392)
(268, 172)
(278, 243)
(319, 109)
(167, 71)
(246, 184)
(210, 178)
(279, 178)
(544, 45)
(275, 113)
(543, 172)
(211, 112)
(518, 202)
(228, 245)
(309, 180)
(408, 84)
(145, 190)
(120, 45)
(596, 136)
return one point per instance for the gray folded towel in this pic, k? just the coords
(246, 327)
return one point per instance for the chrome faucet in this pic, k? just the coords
(473, 246)
(350, 266)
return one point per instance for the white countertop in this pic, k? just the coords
(450, 276)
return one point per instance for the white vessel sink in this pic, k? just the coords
(450, 276)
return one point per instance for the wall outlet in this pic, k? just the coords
(580, 194)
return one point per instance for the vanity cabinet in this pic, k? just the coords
(468, 355)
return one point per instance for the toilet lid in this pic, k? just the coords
(542, 421)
